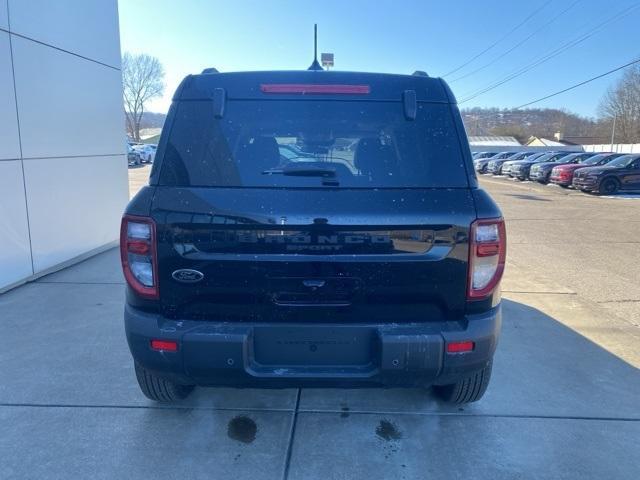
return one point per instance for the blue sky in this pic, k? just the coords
(393, 36)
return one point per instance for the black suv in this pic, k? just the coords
(623, 173)
(313, 228)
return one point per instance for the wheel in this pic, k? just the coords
(470, 389)
(609, 186)
(160, 389)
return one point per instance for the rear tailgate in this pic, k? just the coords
(313, 255)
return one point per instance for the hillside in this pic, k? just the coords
(538, 122)
(152, 120)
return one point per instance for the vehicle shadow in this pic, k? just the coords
(541, 368)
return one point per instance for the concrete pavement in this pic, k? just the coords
(563, 402)
(588, 244)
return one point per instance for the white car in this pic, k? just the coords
(147, 152)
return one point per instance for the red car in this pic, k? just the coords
(563, 174)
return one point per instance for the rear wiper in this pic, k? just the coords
(302, 171)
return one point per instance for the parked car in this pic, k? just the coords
(541, 172)
(147, 152)
(495, 165)
(508, 165)
(521, 169)
(563, 174)
(481, 164)
(133, 157)
(481, 155)
(622, 173)
(246, 270)
(290, 152)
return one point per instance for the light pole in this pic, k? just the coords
(613, 130)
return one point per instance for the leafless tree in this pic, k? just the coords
(622, 103)
(143, 80)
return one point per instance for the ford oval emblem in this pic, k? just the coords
(187, 275)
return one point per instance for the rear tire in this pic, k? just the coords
(608, 186)
(159, 389)
(467, 390)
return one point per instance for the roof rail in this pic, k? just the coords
(210, 70)
(420, 73)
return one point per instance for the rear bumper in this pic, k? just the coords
(284, 355)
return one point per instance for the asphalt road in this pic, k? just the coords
(562, 404)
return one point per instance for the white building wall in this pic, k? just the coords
(616, 147)
(63, 167)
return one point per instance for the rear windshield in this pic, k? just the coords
(311, 143)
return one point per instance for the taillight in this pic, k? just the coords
(487, 255)
(138, 255)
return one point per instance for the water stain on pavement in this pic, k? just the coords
(242, 429)
(388, 431)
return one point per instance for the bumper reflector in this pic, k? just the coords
(164, 345)
(460, 347)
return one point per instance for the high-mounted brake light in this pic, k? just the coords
(306, 89)
(487, 255)
(138, 255)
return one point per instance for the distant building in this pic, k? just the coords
(584, 140)
(494, 141)
(146, 133)
(559, 141)
(543, 142)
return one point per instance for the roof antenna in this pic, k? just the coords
(315, 65)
